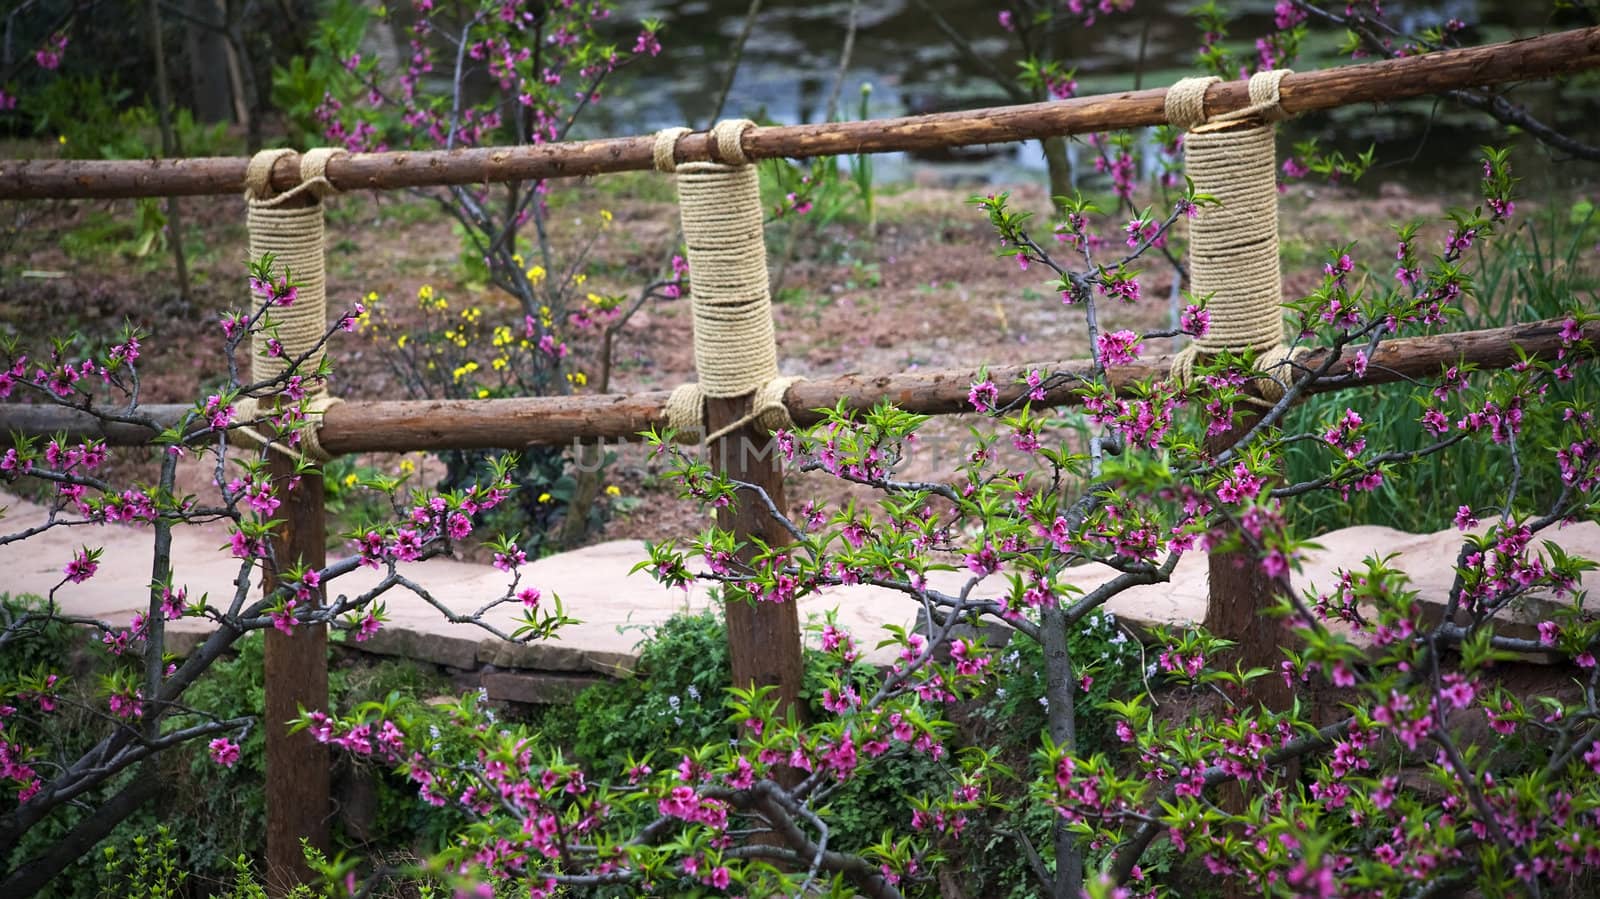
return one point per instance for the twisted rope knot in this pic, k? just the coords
(1233, 246)
(1186, 101)
(666, 147)
(729, 136)
(1276, 364)
(313, 175)
(293, 234)
(769, 410)
(735, 349)
(307, 437)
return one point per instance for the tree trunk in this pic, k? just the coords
(1060, 685)
(590, 458)
(207, 49)
(1060, 169)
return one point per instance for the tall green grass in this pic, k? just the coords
(1535, 272)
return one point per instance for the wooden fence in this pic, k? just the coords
(764, 637)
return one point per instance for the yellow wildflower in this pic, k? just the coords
(517, 258)
(578, 378)
(408, 467)
(605, 218)
(535, 274)
(400, 342)
(544, 497)
(500, 363)
(350, 480)
(483, 393)
(425, 292)
(579, 278)
(613, 490)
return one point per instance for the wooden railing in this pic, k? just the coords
(1385, 81)
(766, 640)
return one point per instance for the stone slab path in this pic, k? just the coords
(615, 607)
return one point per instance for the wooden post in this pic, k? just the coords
(763, 637)
(295, 667)
(296, 674)
(1240, 594)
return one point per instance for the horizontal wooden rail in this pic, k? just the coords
(1386, 80)
(364, 426)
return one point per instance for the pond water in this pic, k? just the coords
(790, 63)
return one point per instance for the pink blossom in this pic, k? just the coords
(49, 56)
(984, 395)
(127, 706)
(224, 752)
(284, 618)
(83, 565)
(1549, 632)
(368, 628)
(508, 562)
(983, 562)
(1118, 348)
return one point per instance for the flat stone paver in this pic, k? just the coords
(614, 607)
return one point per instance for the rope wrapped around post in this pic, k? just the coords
(290, 227)
(1233, 246)
(735, 350)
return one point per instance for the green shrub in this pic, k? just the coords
(206, 816)
(674, 699)
(44, 645)
(1534, 273)
(226, 807)
(1011, 718)
(50, 645)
